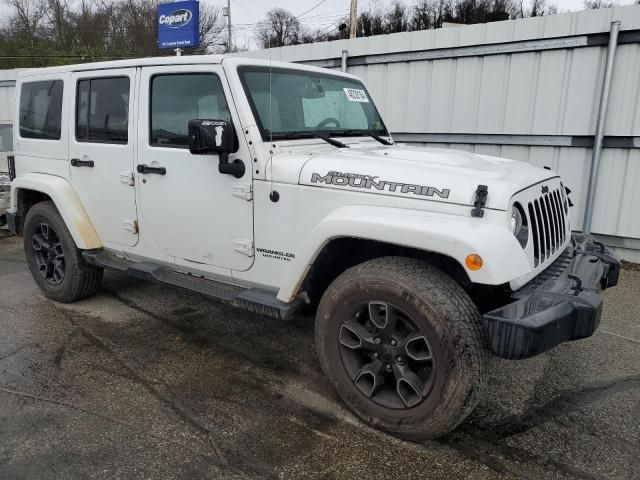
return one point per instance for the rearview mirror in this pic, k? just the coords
(215, 136)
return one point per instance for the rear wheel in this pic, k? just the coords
(55, 262)
(403, 345)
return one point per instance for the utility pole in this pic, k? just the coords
(353, 19)
(227, 13)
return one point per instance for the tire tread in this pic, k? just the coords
(84, 279)
(463, 321)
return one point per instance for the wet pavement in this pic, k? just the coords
(147, 381)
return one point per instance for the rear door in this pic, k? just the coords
(102, 152)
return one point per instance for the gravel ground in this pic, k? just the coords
(146, 381)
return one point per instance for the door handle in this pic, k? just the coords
(147, 169)
(76, 162)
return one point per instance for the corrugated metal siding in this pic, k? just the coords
(7, 99)
(545, 92)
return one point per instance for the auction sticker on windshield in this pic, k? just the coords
(356, 95)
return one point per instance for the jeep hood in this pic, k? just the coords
(435, 174)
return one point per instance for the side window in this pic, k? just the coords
(41, 109)
(102, 110)
(178, 98)
(6, 138)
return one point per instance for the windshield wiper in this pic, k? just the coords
(303, 133)
(347, 133)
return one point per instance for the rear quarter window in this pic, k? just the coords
(6, 138)
(40, 114)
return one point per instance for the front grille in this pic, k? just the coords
(548, 220)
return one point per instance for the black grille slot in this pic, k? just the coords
(548, 221)
(552, 224)
(534, 233)
(547, 229)
(541, 237)
(558, 217)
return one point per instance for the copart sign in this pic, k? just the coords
(178, 24)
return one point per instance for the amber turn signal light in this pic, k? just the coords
(473, 262)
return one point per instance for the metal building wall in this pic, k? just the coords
(7, 99)
(525, 89)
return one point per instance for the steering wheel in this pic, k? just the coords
(324, 122)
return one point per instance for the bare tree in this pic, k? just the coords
(370, 22)
(28, 17)
(422, 16)
(280, 28)
(211, 29)
(61, 24)
(538, 8)
(596, 4)
(397, 19)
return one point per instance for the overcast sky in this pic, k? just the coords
(246, 13)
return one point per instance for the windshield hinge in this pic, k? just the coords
(244, 246)
(481, 200)
(242, 190)
(131, 225)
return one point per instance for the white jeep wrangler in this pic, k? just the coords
(277, 187)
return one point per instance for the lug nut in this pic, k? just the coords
(393, 343)
(377, 340)
(399, 359)
(388, 367)
(375, 355)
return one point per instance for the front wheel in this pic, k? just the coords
(403, 345)
(55, 262)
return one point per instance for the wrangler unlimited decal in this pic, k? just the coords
(277, 254)
(369, 181)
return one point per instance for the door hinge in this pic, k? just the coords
(131, 225)
(244, 246)
(242, 190)
(127, 178)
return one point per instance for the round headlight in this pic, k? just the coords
(519, 226)
(516, 220)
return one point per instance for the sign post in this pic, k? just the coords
(179, 25)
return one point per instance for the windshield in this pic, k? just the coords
(287, 102)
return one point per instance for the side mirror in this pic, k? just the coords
(215, 136)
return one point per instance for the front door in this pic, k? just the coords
(101, 152)
(187, 208)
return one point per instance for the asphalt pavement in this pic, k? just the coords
(146, 381)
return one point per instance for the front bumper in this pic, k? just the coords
(561, 304)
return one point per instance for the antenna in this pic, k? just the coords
(272, 195)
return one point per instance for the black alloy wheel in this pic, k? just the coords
(386, 355)
(403, 345)
(48, 254)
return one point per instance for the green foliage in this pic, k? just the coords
(42, 33)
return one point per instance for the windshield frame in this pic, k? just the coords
(264, 133)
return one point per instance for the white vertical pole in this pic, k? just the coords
(602, 117)
(345, 56)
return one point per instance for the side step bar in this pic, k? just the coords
(251, 299)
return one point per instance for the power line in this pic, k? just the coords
(246, 8)
(312, 8)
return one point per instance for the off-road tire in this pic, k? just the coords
(443, 311)
(80, 279)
